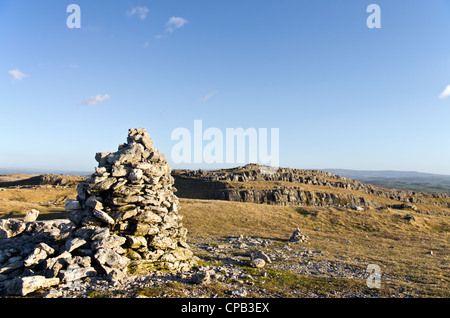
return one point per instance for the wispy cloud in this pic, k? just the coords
(208, 96)
(445, 93)
(96, 100)
(17, 75)
(175, 23)
(171, 25)
(73, 66)
(141, 12)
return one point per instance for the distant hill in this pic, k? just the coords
(8, 171)
(13, 180)
(404, 180)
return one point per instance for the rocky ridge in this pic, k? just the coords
(43, 180)
(283, 186)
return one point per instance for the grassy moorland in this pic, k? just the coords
(413, 254)
(374, 236)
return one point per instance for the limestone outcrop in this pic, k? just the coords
(285, 186)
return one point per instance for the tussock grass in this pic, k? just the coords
(373, 236)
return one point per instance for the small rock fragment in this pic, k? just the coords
(257, 263)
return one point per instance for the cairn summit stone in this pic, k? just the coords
(131, 194)
(135, 189)
(125, 214)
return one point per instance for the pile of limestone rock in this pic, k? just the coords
(297, 236)
(125, 215)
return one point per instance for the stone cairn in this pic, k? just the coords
(126, 215)
(297, 236)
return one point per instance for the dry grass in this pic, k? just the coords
(48, 200)
(381, 237)
(224, 218)
(378, 236)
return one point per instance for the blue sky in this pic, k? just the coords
(341, 94)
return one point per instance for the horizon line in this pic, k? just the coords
(86, 172)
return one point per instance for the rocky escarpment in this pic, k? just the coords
(44, 180)
(286, 186)
(293, 196)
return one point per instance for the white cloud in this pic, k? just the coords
(445, 93)
(208, 96)
(17, 75)
(175, 23)
(141, 12)
(96, 100)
